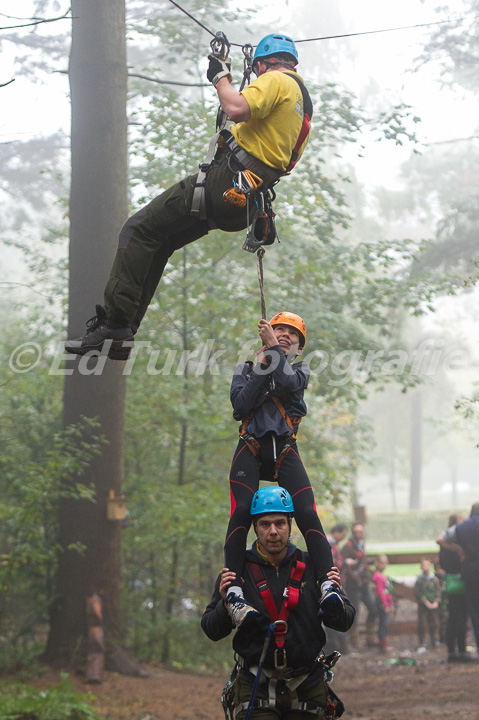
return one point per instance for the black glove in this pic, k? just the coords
(218, 69)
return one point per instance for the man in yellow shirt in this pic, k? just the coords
(271, 129)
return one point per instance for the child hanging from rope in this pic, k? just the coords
(268, 399)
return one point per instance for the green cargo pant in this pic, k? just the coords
(315, 693)
(151, 236)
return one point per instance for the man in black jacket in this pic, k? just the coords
(463, 538)
(279, 583)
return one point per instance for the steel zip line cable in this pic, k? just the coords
(326, 37)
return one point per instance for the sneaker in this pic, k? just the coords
(421, 649)
(119, 341)
(331, 602)
(239, 609)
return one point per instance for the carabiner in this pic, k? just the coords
(248, 58)
(220, 46)
(280, 658)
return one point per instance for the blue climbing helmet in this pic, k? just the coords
(269, 500)
(271, 45)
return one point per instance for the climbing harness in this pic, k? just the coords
(334, 706)
(279, 621)
(292, 678)
(290, 602)
(250, 440)
(227, 696)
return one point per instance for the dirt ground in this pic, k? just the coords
(370, 687)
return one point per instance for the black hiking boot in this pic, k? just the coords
(119, 341)
(331, 604)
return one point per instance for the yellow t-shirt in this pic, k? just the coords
(276, 105)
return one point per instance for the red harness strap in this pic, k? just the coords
(291, 596)
(306, 126)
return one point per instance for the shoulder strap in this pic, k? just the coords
(308, 103)
(306, 126)
(291, 422)
(291, 594)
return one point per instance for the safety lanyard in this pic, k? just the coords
(290, 602)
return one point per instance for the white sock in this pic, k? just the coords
(236, 590)
(326, 585)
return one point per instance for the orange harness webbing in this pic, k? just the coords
(253, 443)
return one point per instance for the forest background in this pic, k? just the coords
(365, 264)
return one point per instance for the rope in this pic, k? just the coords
(267, 639)
(260, 255)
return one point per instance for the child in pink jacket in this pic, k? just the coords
(384, 600)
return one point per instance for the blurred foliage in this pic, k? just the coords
(37, 462)
(454, 46)
(60, 702)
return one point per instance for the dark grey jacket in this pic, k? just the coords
(282, 379)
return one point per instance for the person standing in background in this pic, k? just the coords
(384, 601)
(463, 538)
(357, 583)
(457, 616)
(428, 594)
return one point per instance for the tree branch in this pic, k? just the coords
(7, 83)
(38, 22)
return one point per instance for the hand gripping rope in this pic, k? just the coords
(220, 47)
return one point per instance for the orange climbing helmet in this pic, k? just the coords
(295, 321)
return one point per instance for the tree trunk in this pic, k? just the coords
(98, 207)
(392, 477)
(416, 451)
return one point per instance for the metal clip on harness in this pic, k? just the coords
(244, 182)
(263, 228)
(247, 64)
